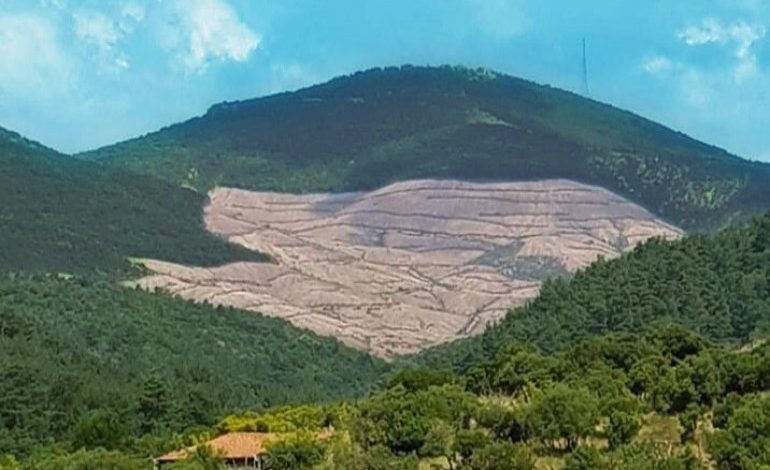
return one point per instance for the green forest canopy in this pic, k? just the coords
(667, 399)
(373, 128)
(59, 214)
(73, 348)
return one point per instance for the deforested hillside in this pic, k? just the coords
(412, 264)
(718, 285)
(372, 128)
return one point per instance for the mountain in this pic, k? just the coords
(373, 128)
(74, 351)
(59, 214)
(718, 285)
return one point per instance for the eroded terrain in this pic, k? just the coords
(410, 265)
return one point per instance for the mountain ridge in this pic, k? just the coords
(372, 128)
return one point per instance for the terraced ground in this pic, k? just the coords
(411, 265)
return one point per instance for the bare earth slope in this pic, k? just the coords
(410, 265)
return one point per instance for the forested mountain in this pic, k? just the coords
(75, 351)
(717, 285)
(655, 360)
(59, 214)
(376, 127)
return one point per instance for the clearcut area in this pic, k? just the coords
(410, 265)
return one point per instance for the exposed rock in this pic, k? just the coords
(411, 265)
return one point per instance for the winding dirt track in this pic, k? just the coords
(410, 265)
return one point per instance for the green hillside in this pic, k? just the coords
(371, 128)
(59, 214)
(666, 399)
(72, 350)
(717, 285)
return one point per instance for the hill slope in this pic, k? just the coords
(73, 347)
(59, 214)
(373, 128)
(718, 285)
(412, 264)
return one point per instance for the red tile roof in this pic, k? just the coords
(237, 445)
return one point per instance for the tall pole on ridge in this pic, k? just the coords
(586, 91)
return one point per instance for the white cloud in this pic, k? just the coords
(134, 11)
(33, 66)
(210, 31)
(101, 33)
(709, 31)
(740, 36)
(658, 65)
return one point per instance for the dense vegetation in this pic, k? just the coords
(62, 215)
(669, 399)
(717, 285)
(77, 354)
(376, 127)
(599, 373)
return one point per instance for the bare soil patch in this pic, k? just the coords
(410, 265)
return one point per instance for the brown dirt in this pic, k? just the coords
(410, 265)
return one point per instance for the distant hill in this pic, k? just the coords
(59, 214)
(372, 128)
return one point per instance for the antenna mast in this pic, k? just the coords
(585, 70)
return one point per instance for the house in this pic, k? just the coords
(238, 449)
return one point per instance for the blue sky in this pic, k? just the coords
(77, 74)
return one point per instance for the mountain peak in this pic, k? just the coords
(372, 128)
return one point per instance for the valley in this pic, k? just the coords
(410, 265)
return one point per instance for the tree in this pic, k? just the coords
(502, 455)
(706, 377)
(154, 404)
(504, 422)
(102, 428)
(353, 457)
(746, 440)
(441, 441)
(622, 427)
(8, 462)
(414, 380)
(608, 385)
(470, 440)
(584, 458)
(563, 414)
(98, 459)
(689, 421)
(301, 451)
(401, 421)
(522, 369)
(653, 379)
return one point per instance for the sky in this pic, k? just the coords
(79, 74)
